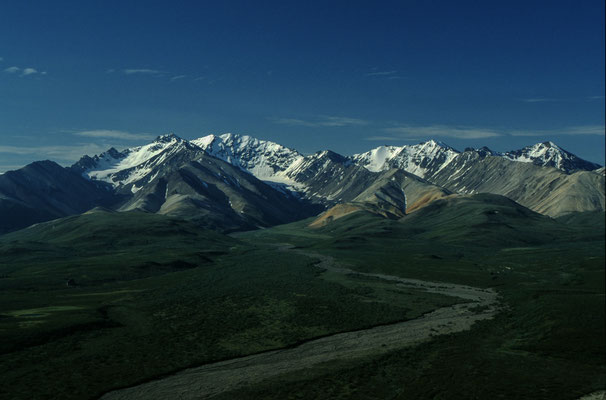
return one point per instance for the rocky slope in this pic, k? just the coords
(238, 182)
(44, 190)
(545, 190)
(548, 154)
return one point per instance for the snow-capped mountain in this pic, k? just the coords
(239, 182)
(177, 177)
(327, 177)
(550, 155)
(262, 158)
(132, 164)
(417, 159)
(484, 152)
(546, 190)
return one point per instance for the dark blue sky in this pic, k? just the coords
(78, 77)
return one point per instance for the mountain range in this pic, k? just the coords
(234, 182)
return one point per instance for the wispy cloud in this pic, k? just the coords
(441, 130)
(321, 121)
(156, 73)
(24, 72)
(29, 71)
(390, 138)
(560, 100)
(142, 71)
(571, 130)
(408, 132)
(381, 73)
(9, 167)
(69, 153)
(114, 134)
(541, 100)
(388, 75)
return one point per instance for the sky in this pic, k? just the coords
(78, 77)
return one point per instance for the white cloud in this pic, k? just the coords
(174, 78)
(389, 138)
(321, 121)
(142, 71)
(115, 134)
(541, 100)
(556, 100)
(389, 75)
(571, 130)
(442, 130)
(408, 132)
(9, 167)
(24, 72)
(341, 121)
(62, 153)
(382, 73)
(29, 71)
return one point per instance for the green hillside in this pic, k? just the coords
(110, 291)
(546, 344)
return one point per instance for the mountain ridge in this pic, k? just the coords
(242, 182)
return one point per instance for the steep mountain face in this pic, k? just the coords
(328, 178)
(427, 158)
(121, 169)
(419, 159)
(44, 190)
(262, 158)
(197, 179)
(176, 177)
(540, 177)
(548, 191)
(325, 178)
(391, 194)
(231, 182)
(217, 195)
(548, 154)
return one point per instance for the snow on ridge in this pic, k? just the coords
(544, 153)
(270, 161)
(264, 159)
(136, 159)
(414, 159)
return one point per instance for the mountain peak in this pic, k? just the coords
(483, 151)
(435, 143)
(551, 155)
(262, 158)
(550, 144)
(168, 138)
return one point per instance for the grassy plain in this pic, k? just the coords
(548, 343)
(151, 295)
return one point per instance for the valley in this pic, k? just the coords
(213, 379)
(302, 200)
(230, 267)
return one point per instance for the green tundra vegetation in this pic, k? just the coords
(107, 300)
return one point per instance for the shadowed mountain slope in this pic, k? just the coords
(44, 190)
